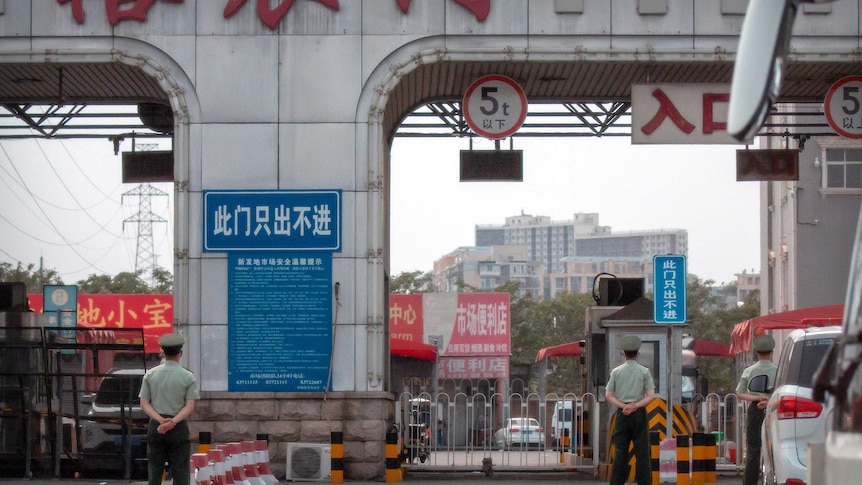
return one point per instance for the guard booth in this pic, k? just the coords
(661, 352)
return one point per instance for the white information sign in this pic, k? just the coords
(495, 106)
(843, 107)
(687, 114)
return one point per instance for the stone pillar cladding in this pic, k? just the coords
(288, 417)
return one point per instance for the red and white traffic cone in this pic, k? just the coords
(248, 454)
(263, 468)
(199, 469)
(235, 460)
(216, 458)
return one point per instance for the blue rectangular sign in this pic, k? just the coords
(263, 220)
(669, 275)
(279, 321)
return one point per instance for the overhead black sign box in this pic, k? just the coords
(767, 165)
(148, 166)
(492, 165)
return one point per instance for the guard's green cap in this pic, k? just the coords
(764, 343)
(171, 340)
(630, 343)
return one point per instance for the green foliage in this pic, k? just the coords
(122, 283)
(411, 282)
(712, 319)
(537, 324)
(32, 276)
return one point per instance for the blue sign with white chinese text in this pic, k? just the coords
(61, 307)
(279, 321)
(670, 296)
(262, 220)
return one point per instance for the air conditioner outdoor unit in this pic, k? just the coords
(308, 461)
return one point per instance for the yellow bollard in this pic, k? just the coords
(337, 457)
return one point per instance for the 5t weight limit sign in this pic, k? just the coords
(843, 107)
(494, 106)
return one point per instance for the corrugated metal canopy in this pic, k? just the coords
(25, 84)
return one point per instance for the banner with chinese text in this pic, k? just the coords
(153, 313)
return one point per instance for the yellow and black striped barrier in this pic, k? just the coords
(393, 463)
(683, 423)
(683, 470)
(703, 454)
(564, 444)
(655, 455)
(205, 441)
(336, 447)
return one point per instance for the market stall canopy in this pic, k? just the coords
(743, 333)
(413, 350)
(571, 349)
(708, 348)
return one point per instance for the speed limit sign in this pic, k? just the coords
(494, 106)
(843, 107)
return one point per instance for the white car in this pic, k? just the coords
(521, 432)
(793, 418)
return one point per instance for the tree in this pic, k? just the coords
(712, 319)
(34, 278)
(411, 282)
(537, 324)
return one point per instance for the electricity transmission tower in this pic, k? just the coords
(145, 257)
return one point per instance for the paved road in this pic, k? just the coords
(522, 478)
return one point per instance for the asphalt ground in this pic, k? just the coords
(508, 478)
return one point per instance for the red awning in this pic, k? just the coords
(708, 348)
(571, 349)
(743, 333)
(414, 350)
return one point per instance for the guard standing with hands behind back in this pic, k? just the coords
(630, 388)
(168, 394)
(763, 346)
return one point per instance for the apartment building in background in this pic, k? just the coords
(552, 257)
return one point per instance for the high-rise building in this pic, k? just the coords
(555, 256)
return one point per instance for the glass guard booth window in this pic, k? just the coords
(649, 358)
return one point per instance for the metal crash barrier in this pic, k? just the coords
(47, 375)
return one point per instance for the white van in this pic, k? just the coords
(561, 420)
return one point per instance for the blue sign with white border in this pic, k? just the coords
(279, 321)
(264, 220)
(669, 275)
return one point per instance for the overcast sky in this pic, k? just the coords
(62, 200)
(631, 187)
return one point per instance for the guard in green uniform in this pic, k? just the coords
(630, 388)
(168, 394)
(763, 346)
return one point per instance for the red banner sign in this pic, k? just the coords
(481, 325)
(405, 318)
(153, 313)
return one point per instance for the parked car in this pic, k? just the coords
(793, 418)
(519, 432)
(114, 419)
(562, 421)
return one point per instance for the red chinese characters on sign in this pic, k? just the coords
(680, 113)
(137, 11)
(153, 313)
(270, 16)
(481, 325)
(405, 317)
(479, 8)
(481, 367)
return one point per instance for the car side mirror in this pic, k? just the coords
(759, 384)
(763, 44)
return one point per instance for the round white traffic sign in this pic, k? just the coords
(494, 106)
(843, 107)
